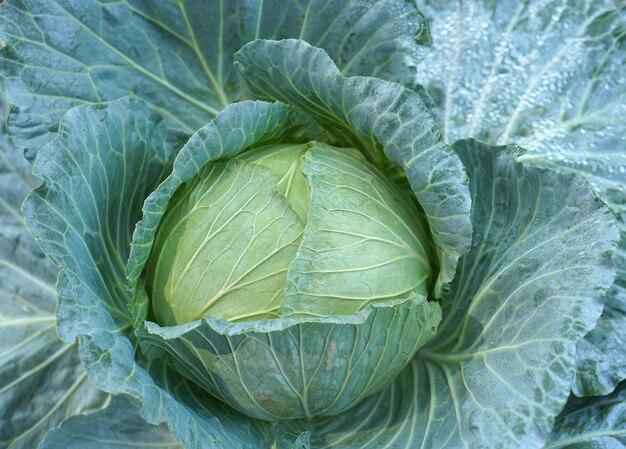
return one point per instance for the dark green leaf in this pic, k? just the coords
(177, 55)
(288, 368)
(500, 368)
(118, 426)
(592, 423)
(96, 173)
(42, 380)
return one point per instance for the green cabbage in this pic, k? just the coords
(283, 224)
(287, 230)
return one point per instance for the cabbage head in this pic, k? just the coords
(241, 242)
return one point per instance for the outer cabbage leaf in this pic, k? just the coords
(118, 426)
(177, 55)
(549, 76)
(34, 363)
(500, 368)
(384, 120)
(96, 174)
(592, 423)
(601, 354)
(290, 368)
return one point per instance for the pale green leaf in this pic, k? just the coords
(234, 130)
(361, 229)
(285, 161)
(223, 247)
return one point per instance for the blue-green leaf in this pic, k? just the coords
(289, 368)
(177, 55)
(118, 426)
(592, 423)
(42, 380)
(602, 353)
(104, 163)
(96, 174)
(549, 76)
(384, 120)
(500, 368)
(516, 310)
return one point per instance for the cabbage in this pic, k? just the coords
(305, 225)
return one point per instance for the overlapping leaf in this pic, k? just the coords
(384, 120)
(118, 426)
(296, 367)
(500, 369)
(238, 127)
(526, 292)
(41, 378)
(97, 172)
(177, 56)
(349, 239)
(517, 310)
(549, 76)
(223, 247)
(226, 358)
(601, 354)
(595, 422)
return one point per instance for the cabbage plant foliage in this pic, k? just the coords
(319, 224)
